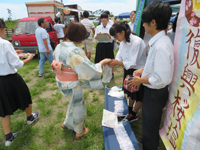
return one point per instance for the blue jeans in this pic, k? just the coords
(43, 58)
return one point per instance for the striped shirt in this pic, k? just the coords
(88, 25)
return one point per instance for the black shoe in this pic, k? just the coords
(139, 141)
(132, 118)
(112, 76)
(122, 117)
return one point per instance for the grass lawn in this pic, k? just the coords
(47, 134)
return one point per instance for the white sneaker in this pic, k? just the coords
(9, 142)
(35, 117)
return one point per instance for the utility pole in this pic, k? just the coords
(14, 16)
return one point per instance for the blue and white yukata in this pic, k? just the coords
(89, 75)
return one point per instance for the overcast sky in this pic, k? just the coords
(19, 10)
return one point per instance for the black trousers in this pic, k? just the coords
(153, 103)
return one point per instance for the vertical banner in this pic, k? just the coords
(181, 130)
(137, 22)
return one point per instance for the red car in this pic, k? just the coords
(24, 34)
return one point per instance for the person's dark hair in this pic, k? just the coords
(76, 32)
(104, 15)
(134, 34)
(2, 23)
(133, 11)
(57, 19)
(159, 11)
(118, 28)
(106, 12)
(86, 14)
(40, 21)
(175, 23)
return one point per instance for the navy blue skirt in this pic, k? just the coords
(104, 50)
(14, 94)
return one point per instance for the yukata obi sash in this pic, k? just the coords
(64, 73)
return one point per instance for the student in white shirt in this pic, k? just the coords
(132, 18)
(59, 29)
(157, 73)
(14, 93)
(89, 25)
(104, 49)
(110, 22)
(131, 56)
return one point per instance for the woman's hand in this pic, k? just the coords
(31, 56)
(19, 51)
(134, 82)
(97, 34)
(113, 63)
(109, 36)
(105, 61)
(138, 72)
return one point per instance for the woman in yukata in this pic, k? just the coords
(74, 71)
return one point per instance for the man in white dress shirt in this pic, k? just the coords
(132, 17)
(157, 73)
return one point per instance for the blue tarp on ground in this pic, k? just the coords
(110, 139)
(109, 102)
(124, 15)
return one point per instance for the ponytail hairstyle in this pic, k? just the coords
(134, 34)
(118, 28)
